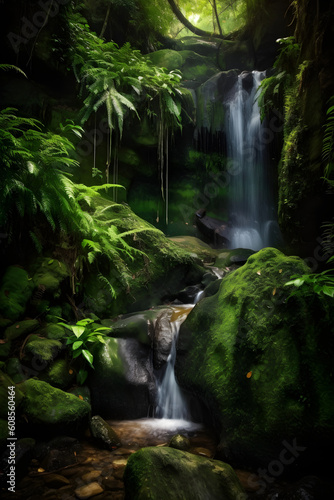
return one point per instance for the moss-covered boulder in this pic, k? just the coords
(15, 291)
(165, 473)
(21, 329)
(48, 276)
(5, 383)
(59, 374)
(260, 362)
(42, 349)
(51, 410)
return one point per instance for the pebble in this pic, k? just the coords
(89, 490)
(90, 476)
(55, 481)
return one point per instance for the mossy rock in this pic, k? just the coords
(104, 434)
(44, 349)
(48, 276)
(166, 58)
(21, 329)
(52, 410)
(179, 442)
(54, 332)
(15, 291)
(260, 362)
(5, 383)
(58, 375)
(165, 473)
(143, 282)
(196, 247)
(237, 256)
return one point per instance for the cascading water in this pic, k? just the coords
(171, 402)
(251, 210)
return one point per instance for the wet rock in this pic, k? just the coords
(90, 476)
(122, 384)
(88, 491)
(215, 231)
(167, 473)
(163, 338)
(179, 442)
(247, 80)
(55, 481)
(104, 433)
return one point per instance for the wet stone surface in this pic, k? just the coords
(98, 473)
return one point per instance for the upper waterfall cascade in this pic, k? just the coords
(251, 207)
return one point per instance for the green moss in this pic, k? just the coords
(15, 291)
(58, 374)
(196, 247)
(164, 473)
(254, 357)
(43, 349)
(46, 405)
(5, 383)
(54, 332)
(21, 329)
(49, 274)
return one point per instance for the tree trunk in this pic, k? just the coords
(188, 24)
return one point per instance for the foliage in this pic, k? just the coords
(84, 335)
(273, 90)
(34, 174)
(123, 81)
(319, 283)
(328, 142)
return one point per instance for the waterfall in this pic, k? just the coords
(251, 207)
(172, 403)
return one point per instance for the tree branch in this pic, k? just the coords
(188, 24)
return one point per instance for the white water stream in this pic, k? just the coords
(251, 207)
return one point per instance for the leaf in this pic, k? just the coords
(88, 356)
(78, 330)
(297, 282)
(81, 376)
(77, 344)
(274, 291)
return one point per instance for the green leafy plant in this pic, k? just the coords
(84, 334)
(314, 283)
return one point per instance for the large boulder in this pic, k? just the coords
(262, 363)
(164, 473)
(49, 410)
(122, 384)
